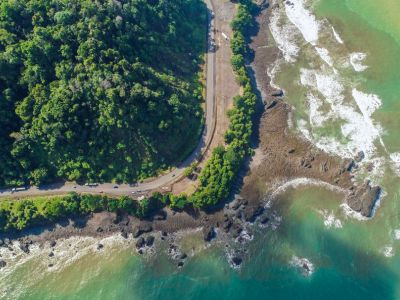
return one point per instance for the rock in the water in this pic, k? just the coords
(350, 165)
(227, 224)
(252, 214)
(208, 233)
(364, 198)
(180, 264)
(1, 242)
(2, 264)
(150, 241)
(360, 156)
(7, 241)
(140, 243)
(237, 260)
(183, 256)
(24, 247)
(264, 219)
(143, 228)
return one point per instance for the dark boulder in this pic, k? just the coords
(24, 247)
(99, 229)
(124, 234)
(2, 264)
(236, 260)
(100, 246)
(180, 264)
(360, 156)
(140, 243)
(208, 233)
(53, 243)
(50, 265)
(227, 224)
(183, 256)
(140, 229)
(264, 219)
(350, 165)
(149, 241)
(51, 254)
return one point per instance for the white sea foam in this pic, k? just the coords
(358, 127)
(368, 103)
(317, 117)
(356, 59)
(396, 234)
(336, 35)
(304, 264)
(330, 220)
(303, 181)
(325, 56)
(284, 36)
(388, 251)
(395, 158)
(303, 20)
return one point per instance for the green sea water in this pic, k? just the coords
(351, 258)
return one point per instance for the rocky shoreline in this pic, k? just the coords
(281, 156)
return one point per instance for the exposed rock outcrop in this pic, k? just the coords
(364, 198)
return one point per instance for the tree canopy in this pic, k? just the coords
(98, 89)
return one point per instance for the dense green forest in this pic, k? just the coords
(98, 89)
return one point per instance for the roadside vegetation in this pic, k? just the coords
(26, 213)
(219, 174)
(216, 178)
(98, 91)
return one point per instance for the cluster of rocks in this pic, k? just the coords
(143, 242)
(175, 253)
(4, 243)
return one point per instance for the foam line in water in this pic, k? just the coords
(301, 182)
(303, 20)
(325, 56)
(284, 36)
(337, 36)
